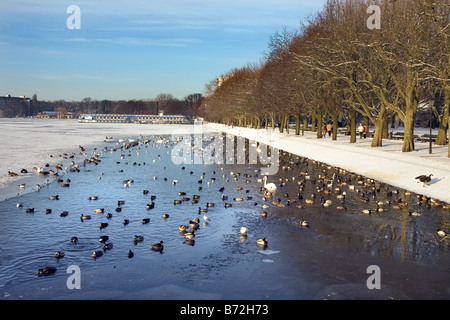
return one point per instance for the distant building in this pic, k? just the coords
(136, 118)
(9, 99)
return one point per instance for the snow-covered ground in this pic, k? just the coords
(28, 143)
(387, 164)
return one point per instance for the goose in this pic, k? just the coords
(265, 206)
(367, 211)
(227, 205)
(424, 179)
(46, 271)
(83, 217)
(270, 187)
(93, 198)
(99, 210)
(157, 246)
(53, 197)
(19, 205)
(262, 242)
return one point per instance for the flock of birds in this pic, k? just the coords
(325, 180)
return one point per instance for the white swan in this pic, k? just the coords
(271, 187)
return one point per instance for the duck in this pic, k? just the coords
(19, 205)
(243, 231)
(262, 242)
(441, 233)
(157, 246)
(137, 238)
(107, 246)
(109, 215)
(59, 254)
(103, 239)
(83, 217)
(367, 211)
(93, 198)
(48, 211)
(145, 220)
(64, 214)
(206, 218)
(96, 254)
(53, 197)
(103, 225)
(189, 235)
(165, 215)
(264, 214)
(183, 227)
(227, 205)
(304, 223)
(125, 221)
(12, 174)
(265, 206)
(341, 207)
(424, 179)
(29, 210)
(74, 240)
(130, 254)
(46, 270)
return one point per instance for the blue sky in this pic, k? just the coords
(134, 49)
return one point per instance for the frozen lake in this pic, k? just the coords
(328, 260)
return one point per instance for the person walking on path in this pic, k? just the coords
(366, 130)
(324, 131)
(360, 130)
(329, 128)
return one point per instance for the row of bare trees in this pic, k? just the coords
(335, 66)
(167, 102)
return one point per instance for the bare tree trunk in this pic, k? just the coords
(305, 125)
(297, 125)
(352, 123)
(408, 140)
(334, 117)
(377, 140)
(319, 124)
(441, 139)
